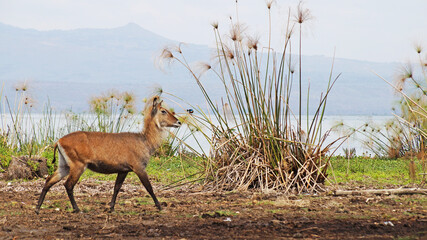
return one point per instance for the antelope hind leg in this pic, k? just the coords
(119, 182)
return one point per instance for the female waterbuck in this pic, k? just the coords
(108, 153)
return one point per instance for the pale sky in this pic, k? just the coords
(374, 30)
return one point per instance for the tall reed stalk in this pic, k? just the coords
(256, 141)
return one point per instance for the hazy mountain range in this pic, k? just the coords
(69, 67)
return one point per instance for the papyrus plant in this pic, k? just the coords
(256, 140)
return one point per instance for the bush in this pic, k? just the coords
(255, 142)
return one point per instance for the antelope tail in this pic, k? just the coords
(54, 152)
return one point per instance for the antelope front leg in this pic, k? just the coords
(142, 174)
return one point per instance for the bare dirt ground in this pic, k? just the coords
(191, 214)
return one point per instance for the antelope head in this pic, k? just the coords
(161, 116)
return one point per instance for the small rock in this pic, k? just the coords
(153, 232)
(341, 210)
(276, 222)
(388, 223)
(148, 222)
(298, 235)
(22, 167)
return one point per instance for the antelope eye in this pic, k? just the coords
(163, 111)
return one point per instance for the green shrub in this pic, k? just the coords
(5, 157)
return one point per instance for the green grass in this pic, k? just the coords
(275, 211)
(99, 176)
(379, 172)
(222, 213)
(165, 170)
(412, 201)
(8, 213)
(5, 157)
(408, 238)
(176, 170)
(168, 170)
(144, 201)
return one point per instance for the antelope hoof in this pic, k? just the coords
(159, 207)
(76, 210)
(37, 211)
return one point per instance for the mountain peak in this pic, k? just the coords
(132, 25)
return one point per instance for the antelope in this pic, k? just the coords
(110, 153)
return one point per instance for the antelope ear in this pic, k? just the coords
(155, 101)
(156, 104)
(154, 111)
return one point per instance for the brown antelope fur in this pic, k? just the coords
(108, 153)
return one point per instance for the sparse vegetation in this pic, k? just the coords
(114, 111)
(23, 133)
(403, 137)
(406, 134)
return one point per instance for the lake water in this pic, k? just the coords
(62, 124)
